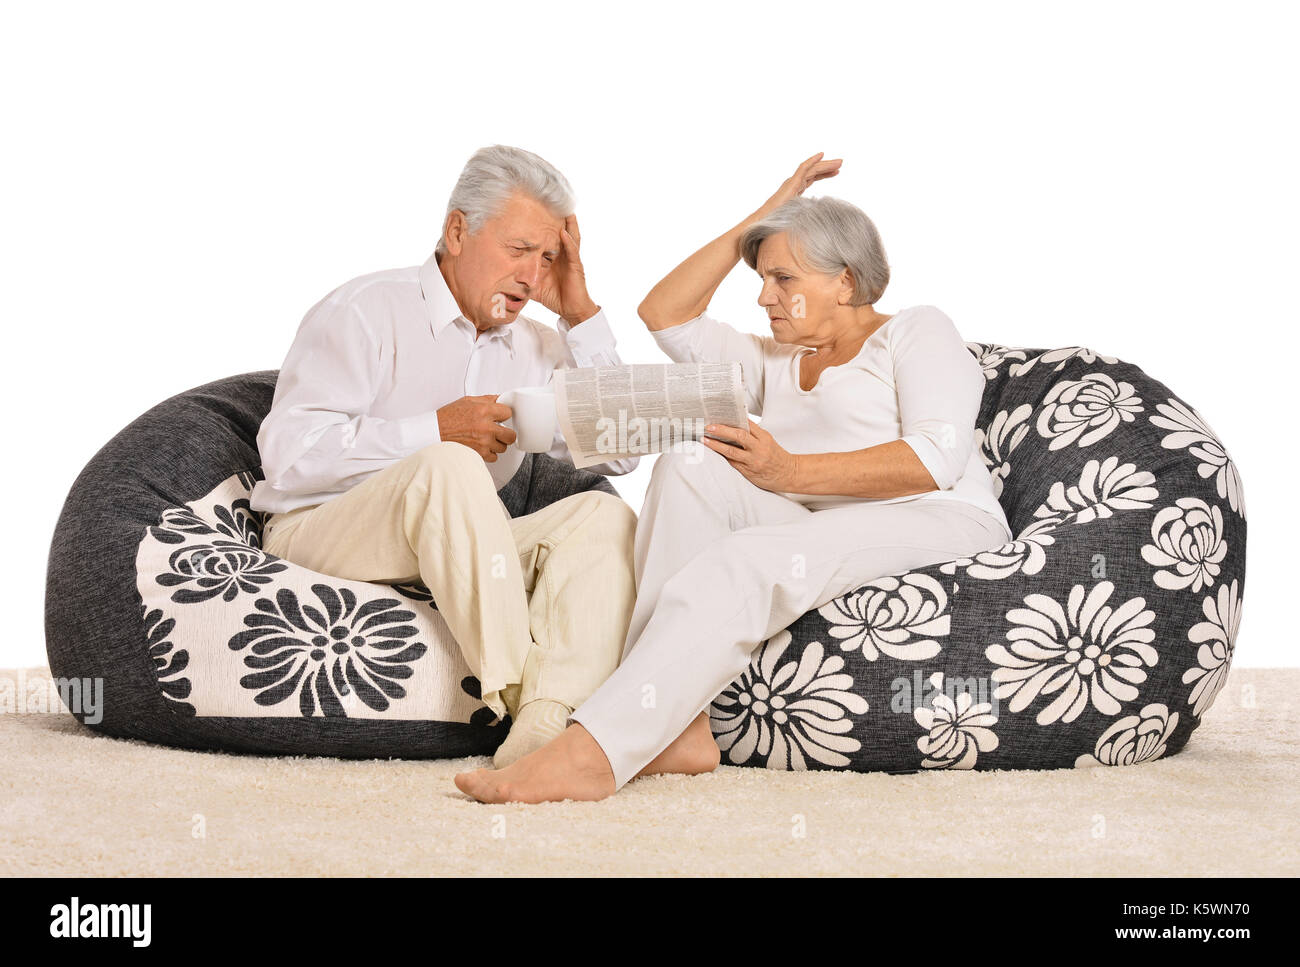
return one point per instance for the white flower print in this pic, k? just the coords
(1192, 433)
(894, 616)
(1133, 739)
(1103, 488)
(1086, 410)
(1188, 544)
(956, 729)
(786, 710)
(991, 357)
(1003, 436)
(1085, 651)
(1061, 357)
(1026, 554)
(1216, 635)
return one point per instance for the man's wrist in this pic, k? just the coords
(581, 315)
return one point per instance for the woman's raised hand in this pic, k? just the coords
(813, 169)
(685, 292)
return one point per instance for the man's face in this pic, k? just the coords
(501, 266)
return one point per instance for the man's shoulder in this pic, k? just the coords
(373, 285)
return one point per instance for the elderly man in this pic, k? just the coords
(384, 446)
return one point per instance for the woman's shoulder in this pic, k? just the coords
(913, 313)
(918, 321)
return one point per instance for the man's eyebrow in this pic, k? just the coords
(528, 246)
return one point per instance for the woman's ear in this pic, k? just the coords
(454, 231)
(847, 288)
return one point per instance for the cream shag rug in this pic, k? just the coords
(76, 803)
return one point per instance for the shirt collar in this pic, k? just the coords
(441, 308)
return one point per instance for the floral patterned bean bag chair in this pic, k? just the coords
(1100, 635)
(158, 585)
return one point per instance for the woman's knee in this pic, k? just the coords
(691, 463)
(965, 532)
(728, 567)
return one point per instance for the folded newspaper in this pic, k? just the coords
(607, 412)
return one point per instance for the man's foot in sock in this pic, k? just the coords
(693, 752)
(536, 724)
(570, 766)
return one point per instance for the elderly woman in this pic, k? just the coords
(864, 466)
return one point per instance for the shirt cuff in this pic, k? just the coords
(673, 334)
(417, 432)
(930, 458)
(592, 341)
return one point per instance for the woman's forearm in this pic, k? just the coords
(877, 473)
(685, 292)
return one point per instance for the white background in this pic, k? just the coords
(182, 182)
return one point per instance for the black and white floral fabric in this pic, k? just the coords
(1100, 635)
(239, 632)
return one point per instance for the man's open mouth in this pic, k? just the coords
(514, 302)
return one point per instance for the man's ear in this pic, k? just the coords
(454, 231)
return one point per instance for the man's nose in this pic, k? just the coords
(530, 271)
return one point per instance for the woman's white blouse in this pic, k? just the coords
(914, 380)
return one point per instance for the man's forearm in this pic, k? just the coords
(876, 473)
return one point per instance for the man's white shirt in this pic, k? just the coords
(372, 362)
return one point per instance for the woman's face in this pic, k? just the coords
(801, 304)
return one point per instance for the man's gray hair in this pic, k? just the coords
(828, 235)
(493, 174)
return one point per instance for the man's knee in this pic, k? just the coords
(610, 515)
(454, 464)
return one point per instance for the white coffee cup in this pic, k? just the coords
(533, 417)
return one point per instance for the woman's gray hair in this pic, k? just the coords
(828, 235)
(493, 174)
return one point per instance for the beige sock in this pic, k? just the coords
(510, 698)
(536, 724)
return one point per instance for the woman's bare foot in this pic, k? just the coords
(571, 766)
(691, 753)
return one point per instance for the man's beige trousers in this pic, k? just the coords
(538, 604)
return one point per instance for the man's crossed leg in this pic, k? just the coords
(538, 604)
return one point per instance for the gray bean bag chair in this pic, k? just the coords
(157, 584)
(1099, 636)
